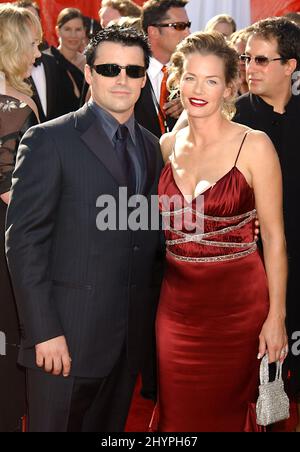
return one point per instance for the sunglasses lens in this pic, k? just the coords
(261, 60)
(113, 70)
(135, 71)
(108, 70)
(180, 26)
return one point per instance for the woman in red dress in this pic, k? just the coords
(222, 306)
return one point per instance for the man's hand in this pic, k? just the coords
(53, 356)
(173, 108)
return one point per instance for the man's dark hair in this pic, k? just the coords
(284, 31)
(28, 4)
(121, 35)
(295, 17)
(155, 11)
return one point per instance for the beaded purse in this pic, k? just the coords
(272, 404)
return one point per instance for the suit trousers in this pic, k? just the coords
(75, 404)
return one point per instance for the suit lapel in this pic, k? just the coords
(49, 85)
(150, 162)
(97, 141)
(37, 100)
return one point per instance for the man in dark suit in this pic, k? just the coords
(272, 59)
(84, 284)
(45, 82)
(45, 76)
(166, 23)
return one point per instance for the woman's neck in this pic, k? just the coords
(70, 55)
(203, 131)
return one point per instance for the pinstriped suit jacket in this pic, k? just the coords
(94, 287)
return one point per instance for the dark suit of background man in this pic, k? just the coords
(45, 76)
(45, 80)
(166, 23)
(84, 295)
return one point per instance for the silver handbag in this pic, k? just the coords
(272, 404)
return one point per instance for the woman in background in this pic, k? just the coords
(20, 35)
(70, 30)
(223, 23)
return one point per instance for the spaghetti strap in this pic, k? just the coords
(244, 139)
(173, 151)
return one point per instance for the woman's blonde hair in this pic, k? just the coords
(16, 44)
(212, 43)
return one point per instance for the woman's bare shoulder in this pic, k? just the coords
(167, 143)
(259, 142)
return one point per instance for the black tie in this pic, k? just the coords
(124, 157)
(37, 62)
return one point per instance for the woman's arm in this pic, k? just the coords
(167, 142)
(265, 170)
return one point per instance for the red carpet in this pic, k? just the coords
(140, 412)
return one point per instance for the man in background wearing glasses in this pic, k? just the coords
(166, 24)
(85, 293)
(272, 56)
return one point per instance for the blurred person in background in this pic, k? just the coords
(20, 36)
(115, 9)
(31, 5)
(70, 29)
(91, 27)
(223, 23)
(45, 77)
(134, 22)
(239, 40)
(35, 9)
(166, 23)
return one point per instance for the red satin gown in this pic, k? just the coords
(213, 304)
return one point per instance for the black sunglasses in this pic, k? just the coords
(178, 26)
(259, 60)
(113, 70)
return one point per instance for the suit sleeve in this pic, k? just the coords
(36, 188)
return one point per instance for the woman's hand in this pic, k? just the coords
(273, 339)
